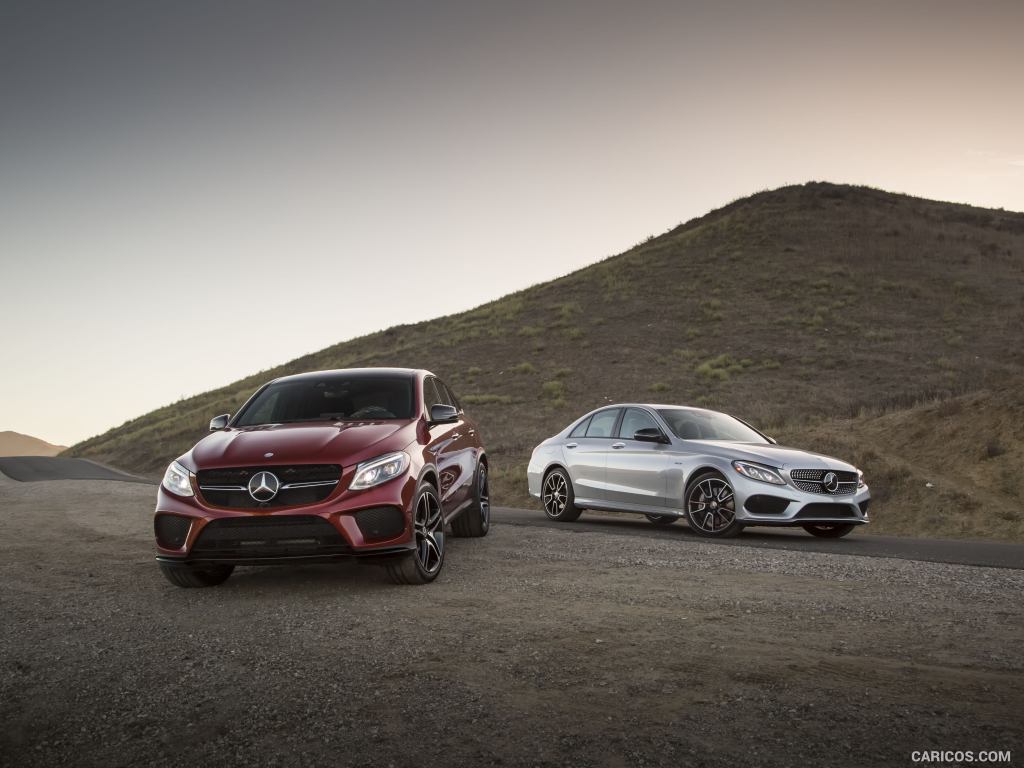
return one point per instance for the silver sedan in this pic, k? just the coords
(669, 462)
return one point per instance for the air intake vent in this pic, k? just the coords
(171, 530)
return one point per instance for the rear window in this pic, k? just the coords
(581, 429)
(331, 398)
(602, 423)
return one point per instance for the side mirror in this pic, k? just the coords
(443, 414)
(219, 422)
(650, 435)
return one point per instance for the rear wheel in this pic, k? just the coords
(189, 576)
(423, 564)
(558, 497)
(662, 519)
(828, 530)
(711, 507)
(475, 520)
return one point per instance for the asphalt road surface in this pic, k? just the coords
(28, 469)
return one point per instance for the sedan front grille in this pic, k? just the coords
(813, 481)
(300, 484)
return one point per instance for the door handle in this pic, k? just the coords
(618, 445)
(571, 445)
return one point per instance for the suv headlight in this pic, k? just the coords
(860, 479)
(757, 472)
(379, 470)
(178, 480)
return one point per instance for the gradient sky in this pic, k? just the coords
(194, 191)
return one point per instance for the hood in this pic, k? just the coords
(777, 456)
(344, 443)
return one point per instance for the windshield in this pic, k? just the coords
(331, 398)
(690, 424)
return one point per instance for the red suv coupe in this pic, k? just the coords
(371, 462)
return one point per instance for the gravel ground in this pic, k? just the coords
(535, 647)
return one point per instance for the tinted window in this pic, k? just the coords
(431, 396)
(602, 423)
(451, 395)
(443, 393)
(331, 398)
(635, 419)
(691, 424)
(581, 429)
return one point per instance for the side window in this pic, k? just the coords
(581, 429)
(635, 419)
(603, 422)
(446, 394)
(431, 397)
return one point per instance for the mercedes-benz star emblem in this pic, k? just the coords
(263, 486)
(830, 481)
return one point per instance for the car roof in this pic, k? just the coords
(360, 372)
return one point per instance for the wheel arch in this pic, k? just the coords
(703, 469)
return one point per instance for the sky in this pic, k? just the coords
(191, 192)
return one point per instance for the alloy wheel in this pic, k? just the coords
(711, 505)
(429, 531)
(555, 494)
(484, 494)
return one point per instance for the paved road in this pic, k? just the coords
(986, 553)
(32, 468)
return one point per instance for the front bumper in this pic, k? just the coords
(760, 503)
(373, 523)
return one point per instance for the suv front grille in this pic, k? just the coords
(812, 480)
(300, 484)
(259, 536)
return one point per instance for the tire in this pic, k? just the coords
(475, 520)
(710, 505)
(662, 519)
(557, 496)
(828, 530)
(424, 563)
(189, 576)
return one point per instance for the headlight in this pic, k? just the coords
(860, 479)
(379, 470)
(177, 480)
(757, 472)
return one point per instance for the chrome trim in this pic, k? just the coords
(309, 484)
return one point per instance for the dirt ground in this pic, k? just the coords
(535, 647)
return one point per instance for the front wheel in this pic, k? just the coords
(828, 530)
(423, 564)
(558, 497)
(711, 507)
(190, 576)
(662, 519)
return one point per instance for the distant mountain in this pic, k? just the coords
(17, 444)
(808, 310)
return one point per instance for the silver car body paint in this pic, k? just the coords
(627, 475)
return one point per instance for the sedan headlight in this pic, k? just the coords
(177, 480)
(860, 479)
(379, 470)
(757, 472)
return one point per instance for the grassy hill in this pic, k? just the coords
(17, 444)
(832, 314)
